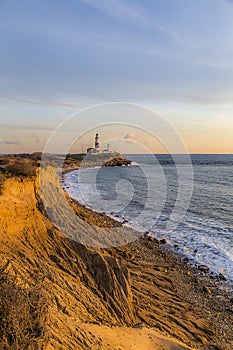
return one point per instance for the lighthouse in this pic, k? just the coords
(97, 142)
(96, 149)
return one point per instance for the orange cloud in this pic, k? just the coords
(130, 137)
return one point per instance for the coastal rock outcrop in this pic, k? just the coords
(117, 160)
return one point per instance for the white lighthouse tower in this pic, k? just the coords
(96, 149)
(97, 143)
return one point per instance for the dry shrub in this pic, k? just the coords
(22, 168)
(22, 316)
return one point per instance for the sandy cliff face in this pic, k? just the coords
(81, 285)
(95, 297)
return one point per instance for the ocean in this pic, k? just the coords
(188, 204)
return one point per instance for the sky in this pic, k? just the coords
(59, 57)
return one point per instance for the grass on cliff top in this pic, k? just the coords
(13, 166)
(16, 166)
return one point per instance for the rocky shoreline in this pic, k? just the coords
(204, 269)
(205, 293)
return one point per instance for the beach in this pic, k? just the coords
(172, 295)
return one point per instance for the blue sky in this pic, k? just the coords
(59, 56)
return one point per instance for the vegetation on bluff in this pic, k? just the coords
(22, 314)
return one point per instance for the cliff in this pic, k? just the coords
(119, 298)
(80, 285)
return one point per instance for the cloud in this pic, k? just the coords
(117, 9)
(8, 142)
(121, 10)
(37, 139)
(132, 138)
(41, 103)
(26, 127)
(40, 142)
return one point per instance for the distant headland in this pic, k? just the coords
(25, 164)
